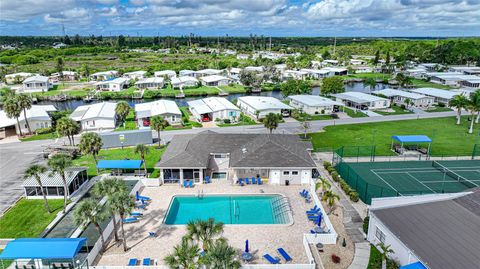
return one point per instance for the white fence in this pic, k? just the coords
(327, 238)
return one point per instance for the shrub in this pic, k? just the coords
(335, 258)
(226, 121)
(354, 196)
(440, 104)
(323, 111)
(326, 164)
(365, 224)
(44, 130)
(334, 116)
(402, 106)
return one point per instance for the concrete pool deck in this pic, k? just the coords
(262, 238)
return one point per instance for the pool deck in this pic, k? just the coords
(262, 238)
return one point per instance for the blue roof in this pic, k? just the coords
(42, 248)
(119, 164)
(415, 265)
(412, 138)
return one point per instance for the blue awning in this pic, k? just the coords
(119, 164)
(415, 265)
(412, 138)
(42, 248)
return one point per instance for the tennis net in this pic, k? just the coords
(454, 175)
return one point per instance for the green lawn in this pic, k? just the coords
(234, 88)
(28, 218)
(397, 111)
(448, 138)
(244, 120)
(354, 114)
(119, 154)
(51, 135)
(419, 83)
(305, 116)
(438, 109)
(369, 75)
(130, 123)
(375, 261)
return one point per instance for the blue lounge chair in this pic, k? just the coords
(306, 194)
(136, 214)
(130, 220)
(284, 254)
(312, 232)
(312, 212)
(207, 180)
(152, 234)
(315, 208)
(185, 184)
(308, 199)
(142, 198)
(247, 181)
(147, 261)
(132, 262)
(271, 259)
(302, 193)
(259, 180)
(190, 184)
(141, 207)
(254, 181)
(314, 217)
(240, 181)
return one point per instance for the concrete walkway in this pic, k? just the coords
(372, 113)
(362, 256)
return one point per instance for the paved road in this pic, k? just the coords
(16, 157)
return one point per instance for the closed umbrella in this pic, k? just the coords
(319, 222)
(246, 246)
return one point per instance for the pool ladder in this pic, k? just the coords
(200, 194)
(280, 207)
(236, 210)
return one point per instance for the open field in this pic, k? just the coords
(448, 138)
(28, 218)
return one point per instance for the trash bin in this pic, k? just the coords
(287, 182)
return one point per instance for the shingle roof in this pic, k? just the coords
(246, 150)
(50, 179)
(443, 234)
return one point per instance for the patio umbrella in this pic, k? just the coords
(319, 222)
(246, 246)
(136, 196)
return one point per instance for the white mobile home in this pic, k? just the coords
(165, 108)
(209, 72)
(294, 74)
(150, 83)
(314, 104)
(256, 69)
(38, 117)
(362, 100)
(259, 106)
(439, 95)
(100, 116)
(169, 74)
(213, 108)
(105, 75)
(64, 76)
(187, 73)
(36, 84)
(215, 80)
(184, 81)
(113, 85)
(400, 97)
(136, 75)
(17, 77)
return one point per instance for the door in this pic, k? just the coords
(275, 176)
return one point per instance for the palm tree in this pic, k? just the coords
(142, 150)
(35, 171)
(204, 231)
(108, 188)
(271, 121)
(221, 256)
(90, 211)
(122, 109)
(384, 253)
(25, 102)
(184, 255)
(121, 203)
(158, 123)
(459, 102)
(58, 164)
(323, 184)
(68, 127)
(13, 110)
(474, 107)
(91, 143)
(330, 197)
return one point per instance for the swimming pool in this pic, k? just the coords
(229, 209)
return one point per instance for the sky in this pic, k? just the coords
(432, 18)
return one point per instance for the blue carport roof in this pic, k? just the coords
(42, 248)
(415, 265)
(412, 138)
(119, 164)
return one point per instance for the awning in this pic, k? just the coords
(416, 265)
(412, 138)
(42, 248)
(119, 164)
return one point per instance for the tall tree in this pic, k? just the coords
(474, 107)
(459, 102)
(122, 204)
(25, 102)
(36, 171)
(142, 150)
(184, 255)
(293, 86)
(13, 110)
(221, 256)
(60, 64)
(90, 211)
(330, 197)
(377, 57)
(122, 109)
(386, 250)
(91, 143)
(58, 164)
(332, 85)
(204, 231)
(68, 127)
(271, 121)
(108, 188)
(158, 123)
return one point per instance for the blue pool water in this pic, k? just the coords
(234, 209)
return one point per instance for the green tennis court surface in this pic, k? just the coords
(386, 179)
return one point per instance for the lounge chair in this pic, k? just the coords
(207, 180)
(271, 259)
(254, 181)
(132, 262)
(130, 220)
(302, 193)
(314, 209)
(136, 214)
(240, 181)
(190, 184)
(147, 262)
(284, 254)
(259, 180)
(306, 194)
(185, 184)
(312, 212)
(152, 234)
(308, 199)
(141, 207)
(142, 198)
(247, 181)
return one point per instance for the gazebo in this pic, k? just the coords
(410, 139)
(41, 253)
(117, 166)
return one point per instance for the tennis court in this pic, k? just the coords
(386, 179)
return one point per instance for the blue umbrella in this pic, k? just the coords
(319, 222)
(246, 246)
(137, 196)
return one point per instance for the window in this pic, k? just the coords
(220, 156)
(294, 173)
(379, 235)
(173, 118)
(286, 173)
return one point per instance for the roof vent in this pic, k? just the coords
(244, 150)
